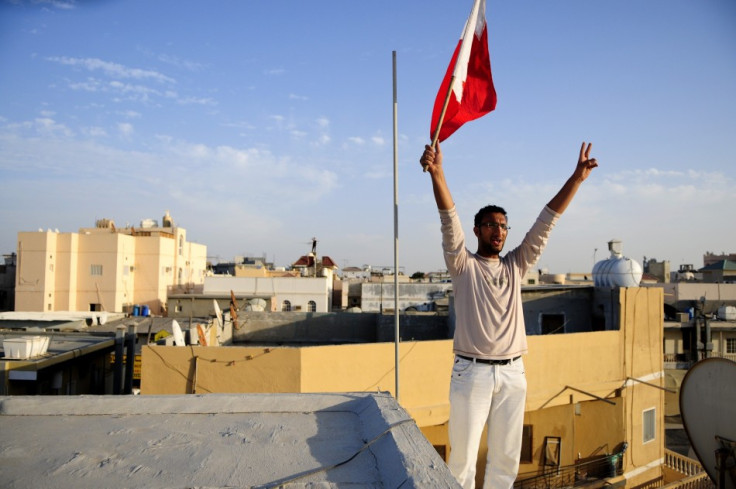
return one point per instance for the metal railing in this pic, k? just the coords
(580, 474)
(686, 360)
(587, 472)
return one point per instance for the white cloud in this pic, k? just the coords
(180, 62)
(322, 139)
(125, 129)
(139, 92)
(197, 101)
(88, 85)
(94, 132)
(114, 70)
(130, 114)
(48, 126)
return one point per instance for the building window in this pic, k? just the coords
(311, 306)
(730, 345)
(95, 270)
(649, 425)
(552, 450)
(552, 323)
(181, 245)
(286, 306)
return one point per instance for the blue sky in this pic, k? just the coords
(260, 125)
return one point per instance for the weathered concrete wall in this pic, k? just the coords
(573, 303)
(414, 327)
(335, 328)
(376, 297)
(305, 328)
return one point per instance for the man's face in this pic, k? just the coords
(491, 234)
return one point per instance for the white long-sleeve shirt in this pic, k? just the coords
(489, 318)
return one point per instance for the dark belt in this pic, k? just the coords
(490, 362)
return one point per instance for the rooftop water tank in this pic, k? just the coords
(617, 271)
(727, 313)
(256, 304)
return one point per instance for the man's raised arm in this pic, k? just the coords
(585, 165)
(431, 160)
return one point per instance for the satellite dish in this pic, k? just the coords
(218, 313)
(178, 334)
(708, 408)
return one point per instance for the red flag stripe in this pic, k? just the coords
(476, 96)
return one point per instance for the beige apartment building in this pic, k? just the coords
(106, 268)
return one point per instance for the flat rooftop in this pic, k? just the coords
(215, 441)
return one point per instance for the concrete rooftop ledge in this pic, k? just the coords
(215, 440)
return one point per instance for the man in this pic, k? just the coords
(488, 384)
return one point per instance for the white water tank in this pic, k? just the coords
(256, 304)
(617, 271)
(727, 313)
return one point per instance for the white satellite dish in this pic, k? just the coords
(178, 335)
(218, 313)
(708, 408)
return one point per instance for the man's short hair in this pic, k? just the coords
(489, 209)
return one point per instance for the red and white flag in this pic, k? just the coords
(473, 95)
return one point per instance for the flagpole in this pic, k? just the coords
(442, 118)
(442, 114)
(396, 232)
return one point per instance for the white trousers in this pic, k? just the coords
(483, 394)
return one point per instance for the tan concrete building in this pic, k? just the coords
(106, 268)
(592, 395)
